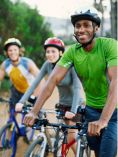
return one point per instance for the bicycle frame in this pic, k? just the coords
(12, 119)
(66, 147)
(44, 132)
(15, 129)
(42, 123)
(81, 139)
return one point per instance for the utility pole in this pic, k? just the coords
(99, 6)
(114, 18)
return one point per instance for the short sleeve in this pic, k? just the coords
(67, 59)
(111, 53)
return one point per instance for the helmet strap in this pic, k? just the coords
(55, 62)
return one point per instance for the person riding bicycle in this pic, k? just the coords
(20, 70)
(95, 62)
(70, 88)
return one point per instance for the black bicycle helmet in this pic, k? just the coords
(12, 41)
(86, 14)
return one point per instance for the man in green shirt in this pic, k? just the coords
(95, 62)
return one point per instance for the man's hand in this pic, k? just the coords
(19, 107)
(95, 127)
(30, 118)
(69, 115)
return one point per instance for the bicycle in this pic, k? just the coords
(44, 134)
(11, 131)
(40, 146)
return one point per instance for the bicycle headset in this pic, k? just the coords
(88, 14)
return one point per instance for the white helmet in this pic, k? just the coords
(12, 41)
(86, 14)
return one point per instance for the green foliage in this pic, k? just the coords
(5, 85)
(20, 21)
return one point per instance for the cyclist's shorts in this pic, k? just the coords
(15, 96)
(65, 108)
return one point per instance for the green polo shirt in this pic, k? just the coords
(91, 68)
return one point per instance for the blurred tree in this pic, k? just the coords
(5, 17)
(20, 21)
(113, 16)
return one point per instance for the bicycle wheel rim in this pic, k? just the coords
(35, 149)
(7, 141)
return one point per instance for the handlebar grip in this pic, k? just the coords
(39, 122)
(32, 99)
(26, 108)
(81, 110)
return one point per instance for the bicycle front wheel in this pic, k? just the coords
(85, 152)
(82, 150)
(7, 141)
(58, 143)
(36, 149)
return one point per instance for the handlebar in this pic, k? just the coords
(59, 113)
(45, 122)
(26, 108)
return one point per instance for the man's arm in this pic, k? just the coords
(56, 76)
(95, 127)
(112, 96)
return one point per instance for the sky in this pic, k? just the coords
(59, 8)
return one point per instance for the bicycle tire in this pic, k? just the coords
(84, 152)
(88, 151)
(8, 144)
(35, 149)
(57, 144)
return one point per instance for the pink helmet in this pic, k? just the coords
(55, 42)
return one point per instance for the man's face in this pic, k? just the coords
(84, 31)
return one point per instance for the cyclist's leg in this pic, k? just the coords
(93, 141)
(100, 144)
(72, 133)
(15, 96)
(108, 145)
(94, 144)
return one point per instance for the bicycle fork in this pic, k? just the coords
(81, 144)
(44, 143)
(64, 145)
